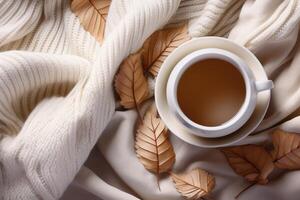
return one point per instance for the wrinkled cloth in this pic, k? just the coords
(57, 99)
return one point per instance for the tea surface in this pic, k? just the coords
(211, 92)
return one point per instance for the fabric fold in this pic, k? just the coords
(60, 131)
(56, 93)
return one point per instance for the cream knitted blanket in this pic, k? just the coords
(56, 95)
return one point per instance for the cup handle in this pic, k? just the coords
(263, 85)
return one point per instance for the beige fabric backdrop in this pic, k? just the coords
(277, 47)
(56, 96)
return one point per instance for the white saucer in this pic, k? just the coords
(263, 98)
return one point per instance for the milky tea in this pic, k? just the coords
(210, 92)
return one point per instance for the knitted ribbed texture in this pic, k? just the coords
(48, 139)
(212, 13)
(56, 94)
(277, 26)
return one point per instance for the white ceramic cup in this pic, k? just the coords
(252, 86)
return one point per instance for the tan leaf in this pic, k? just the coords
(286, 153)
(92, 15)
(130, 82)
(152, 144)
(250, 161)
(160, 44)
(194, 184)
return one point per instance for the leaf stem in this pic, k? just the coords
(157, 179)
(135, 101)
(138, 112)
(244, 190)
(97, 10)
(157, 156)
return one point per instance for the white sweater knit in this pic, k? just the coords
(56, 94)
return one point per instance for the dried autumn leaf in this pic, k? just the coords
(194, 184)
(160, 44)
(152, 144)
(250, 161)
(92, 15)
(130, 82)
(286, 153)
